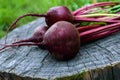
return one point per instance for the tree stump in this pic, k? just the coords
(99, 60)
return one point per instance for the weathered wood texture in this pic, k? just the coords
(98, 60)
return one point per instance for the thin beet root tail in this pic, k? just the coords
(27, 40)
(25, 15)
(31, 39)
(21, 41)
(41, 44)
(37, 37)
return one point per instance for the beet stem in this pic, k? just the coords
(85, 8)
(78, 19)
(14, 22)
(97, 15)
(107, 27)
(22, 44)
(99, 35)
(85, 28)
(109, 18)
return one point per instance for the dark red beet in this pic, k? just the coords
(59, 13)
(54, 14)
(62, 40)
(37, 37)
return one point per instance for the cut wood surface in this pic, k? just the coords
(98, 60)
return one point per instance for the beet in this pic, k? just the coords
(61, 39)
(54, 14)
(37, 36)
(59, 13)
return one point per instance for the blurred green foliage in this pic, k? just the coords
(11, 9)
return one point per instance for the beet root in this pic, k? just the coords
(62, 40)
(37, 37)
(54, 14)
(59, 13)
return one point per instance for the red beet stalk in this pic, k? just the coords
(100, 29)
(99, 35)
(85, 28)
(83, 9)
(99, 32)
(109, 18)
(79, 19)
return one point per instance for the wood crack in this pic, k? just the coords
(19, 61)
(98, 70)
(41, 64)
(108, 59)
(105, 52)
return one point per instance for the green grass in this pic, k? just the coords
(11, 9)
